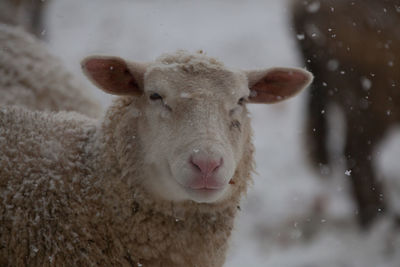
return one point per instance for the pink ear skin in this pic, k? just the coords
(113, 75)
(277, 84)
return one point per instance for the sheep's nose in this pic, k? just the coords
(207, 166)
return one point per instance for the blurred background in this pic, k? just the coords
(296, 213)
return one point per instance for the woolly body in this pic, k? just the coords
(84, 211)
(66, 200)
(33, 78)
(124, 190)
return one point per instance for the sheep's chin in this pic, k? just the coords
(206, 195)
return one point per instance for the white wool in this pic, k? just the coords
(31, 77)
(186, 58)
(187, 61)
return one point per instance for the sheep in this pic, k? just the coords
(155, 182)
(352, 47)
(33, 78)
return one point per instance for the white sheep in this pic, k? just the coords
(33, 78)
(156, 182)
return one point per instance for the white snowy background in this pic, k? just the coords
(291, 216)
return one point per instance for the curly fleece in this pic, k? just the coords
(65, 201)
(71, 194)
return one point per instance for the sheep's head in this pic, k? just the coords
(194, 127)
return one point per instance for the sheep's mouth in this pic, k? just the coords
(201, 189)
(204, 194)
(204, 187)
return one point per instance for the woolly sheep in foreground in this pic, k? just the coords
(156, 183)
(33, 78)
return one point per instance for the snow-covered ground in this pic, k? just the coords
(291, 217)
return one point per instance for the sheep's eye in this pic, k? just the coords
(241, 101)
(155, 96)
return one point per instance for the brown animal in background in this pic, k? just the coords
(353, 49)
(26, 13)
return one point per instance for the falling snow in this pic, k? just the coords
(270, 207)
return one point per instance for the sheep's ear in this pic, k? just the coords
(114, 75)
(276, 84)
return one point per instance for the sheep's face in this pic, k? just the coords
(193, 128)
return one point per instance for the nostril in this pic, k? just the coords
(195, 165)
(206, 166)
